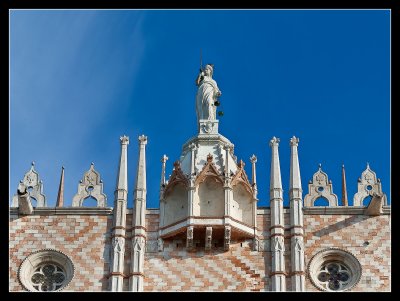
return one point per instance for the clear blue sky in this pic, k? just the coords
(79, 79)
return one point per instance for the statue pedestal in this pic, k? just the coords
(208, 127)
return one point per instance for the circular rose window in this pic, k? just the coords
(334, 270)
(46, 271)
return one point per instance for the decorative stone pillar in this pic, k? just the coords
(139, 222)
(119, 220)
(160, 243)
(296, 220)
(227, 182)
(253, 160)
(192, 178)
(278, 275)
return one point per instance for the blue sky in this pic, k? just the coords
(80, 79)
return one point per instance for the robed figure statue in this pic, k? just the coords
(207, 95)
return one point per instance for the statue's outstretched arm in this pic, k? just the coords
(199, 78)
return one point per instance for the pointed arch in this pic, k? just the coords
(90, 186)
(241, 177)
(320, 186)
(209, 170)
(368, 185)
(177, 177)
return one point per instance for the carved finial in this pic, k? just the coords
(294, 141)
(274, 141)
(164, 158)
(192, 146)
(209, 157)
(177, 164)
(241, 164)
(87, 187)
(143, 139)
(124, 139)
(368, 165)
(33, 163)
(253, 159)
(319, 166)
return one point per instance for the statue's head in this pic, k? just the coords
(209, 69)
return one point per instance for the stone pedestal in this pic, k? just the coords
(208, 127)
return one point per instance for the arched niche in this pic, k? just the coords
(210, 195)
(241, 204)
(175, 204)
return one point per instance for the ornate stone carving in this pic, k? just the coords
(278, 250)
(241, 177)
(298, 245)
(207, 127)
(334, 269)
(118, 244)
(90, 186)
(189, 238)
(227, 238)
(142, 139)
(177, 177)
(138, 244)
(33, 187)
(274, 141)
(209, 170)
(320, 186)
(294, 141)
(117, 257)
(368, 185)
(124, 139)
(208, 238)
(297, 255)
(277, 244)
(137, 263)
(46, 270)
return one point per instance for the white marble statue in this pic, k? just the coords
(207, 95)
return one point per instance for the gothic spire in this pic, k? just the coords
(345, 202)
(60, 195)
(295, 179)
(122, 180)
(141, 169)
(275, 179)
